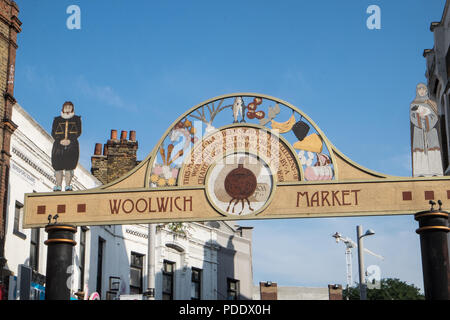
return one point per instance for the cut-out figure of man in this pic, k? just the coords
(65, 152)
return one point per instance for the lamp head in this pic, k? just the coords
(369, 232)
(337, 236)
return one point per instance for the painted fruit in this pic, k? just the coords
(251, 106)
(300, 130)
(260, 115)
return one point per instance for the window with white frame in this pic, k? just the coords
(168, 280)
(196, 284)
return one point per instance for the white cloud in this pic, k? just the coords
(104, 94)
(44, 81)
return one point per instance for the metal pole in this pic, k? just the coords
(59, 258)
(150, 293)
(433, 229)
(362, 281)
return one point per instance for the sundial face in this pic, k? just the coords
(240, 184)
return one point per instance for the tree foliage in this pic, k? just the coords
(390, 289)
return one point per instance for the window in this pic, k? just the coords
(233, 289)
(168, 271)
(196, 283)
(101, 248)
(136, 266)
(34, 249)
(82, 256)
(18, 215)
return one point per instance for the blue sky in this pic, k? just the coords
(137, 65)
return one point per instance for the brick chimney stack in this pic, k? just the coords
(113, 134)
(132, 135)
(268, 290)
(119, 157)
(98, 149)
(335, 292)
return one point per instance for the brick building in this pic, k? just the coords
(9, 28)
(118, 157)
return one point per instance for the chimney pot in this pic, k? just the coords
(132, 135)
(123, 135)
(105, 150)
(98, 149)
(113, 134)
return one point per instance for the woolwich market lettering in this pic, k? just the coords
(149, 205)
(328, 198)
(239, 156)
(184, 204)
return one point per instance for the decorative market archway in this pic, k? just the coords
(239, 156)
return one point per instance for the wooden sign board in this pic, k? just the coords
(244, 170)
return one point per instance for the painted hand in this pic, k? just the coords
(65, 142)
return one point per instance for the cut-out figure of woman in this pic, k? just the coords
(65, 152)
(426, 150)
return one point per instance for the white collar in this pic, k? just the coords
(67, 116)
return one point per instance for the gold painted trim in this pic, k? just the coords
(430, 214)
(69, 228)
(432, 228)
(54, 241)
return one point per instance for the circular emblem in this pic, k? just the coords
(240, 184)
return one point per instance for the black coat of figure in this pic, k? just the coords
(66, 157)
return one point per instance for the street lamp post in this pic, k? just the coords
(150, 293)
(362, 280)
